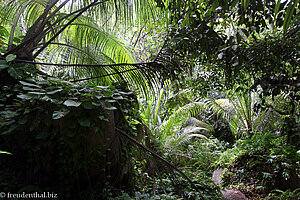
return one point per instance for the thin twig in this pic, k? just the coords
(139, 35)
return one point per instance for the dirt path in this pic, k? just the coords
(229, 194)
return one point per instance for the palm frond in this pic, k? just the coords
(289, 13)
(220, 107)
(173, 142)
(93, 37)
(243, 120)
(180, 116)
(152, 108)
(85, 42)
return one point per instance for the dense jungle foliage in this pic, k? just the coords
(150, 99)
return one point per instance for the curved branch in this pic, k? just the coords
(158, 157)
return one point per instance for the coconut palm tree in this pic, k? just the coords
(80, 39)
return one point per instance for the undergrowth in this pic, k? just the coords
(259, 165)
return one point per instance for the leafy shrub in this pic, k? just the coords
(289, 194)
(62, 136)
(194, 158)
(265, 157)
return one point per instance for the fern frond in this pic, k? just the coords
(175, 142)
(181, 115)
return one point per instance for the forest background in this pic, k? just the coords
(145, 99)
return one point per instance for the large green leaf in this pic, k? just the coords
(71, 103)
(15, 72)
(84, 122)
(11, 129)
(25, 96)
(55, 91)
(3, 64)
(8, 114)
(10, 57)
(29, 84)
(110, 108)
(59, 114)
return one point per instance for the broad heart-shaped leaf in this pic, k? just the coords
(37, 93)
(10, 57)
(29, 84)
(101, 87)
(25, 96)
(110, 108)
(23, 119)
(88, 105)
(8, 114)
(11, 129)
(28, 68)
(59, 114)
(84, 122)
(110, 100)
(31, 89)
(14, 72)
(103, 118)
(118, 97)
(55, 91)
(70, 102)
(126, 93)
(3, 64)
